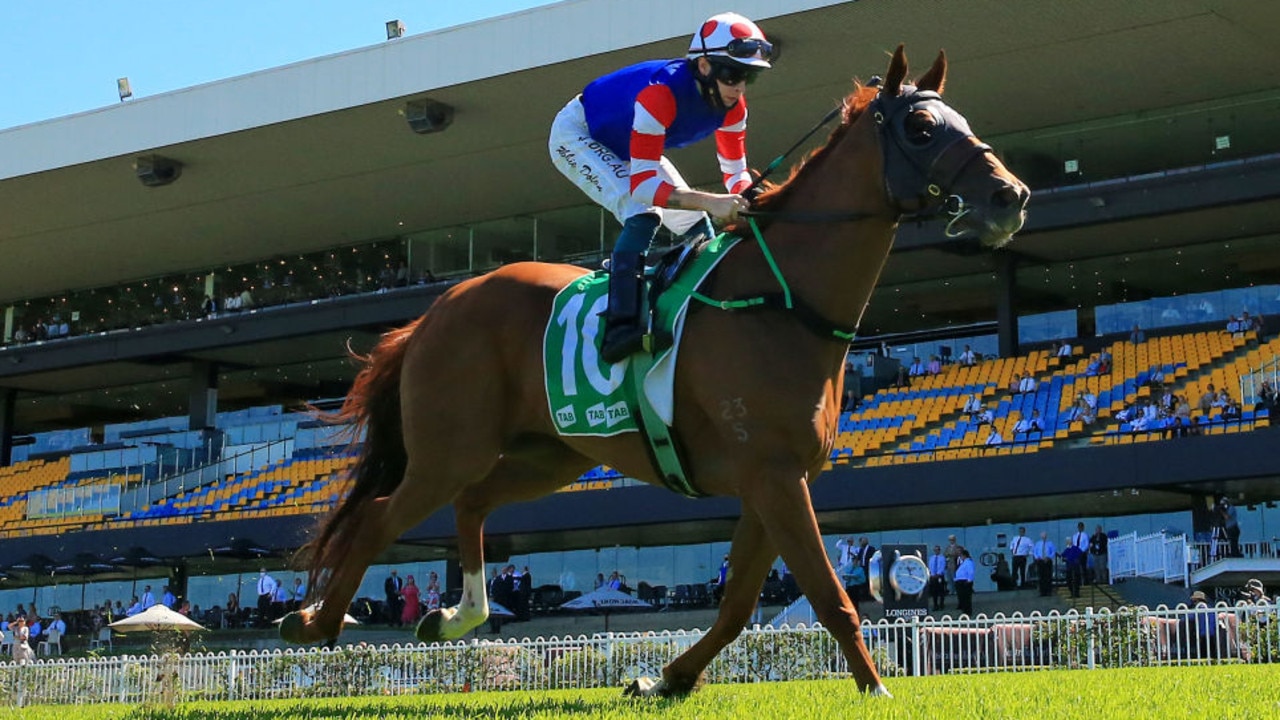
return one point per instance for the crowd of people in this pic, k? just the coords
(374, 268)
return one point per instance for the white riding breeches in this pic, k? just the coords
(605, 177)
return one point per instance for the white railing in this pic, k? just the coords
(1203, 553)
(1127, 637)
(1154, 556)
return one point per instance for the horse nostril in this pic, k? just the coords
(1005, 197)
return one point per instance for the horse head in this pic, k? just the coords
(934, 166)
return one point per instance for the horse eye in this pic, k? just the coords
(919, 127)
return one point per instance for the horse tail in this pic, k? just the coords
(372, 406)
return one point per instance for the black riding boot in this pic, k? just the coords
(623, 330)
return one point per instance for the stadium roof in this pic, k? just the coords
(316, 154)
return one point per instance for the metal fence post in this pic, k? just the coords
(915, 646)
(1089, 630)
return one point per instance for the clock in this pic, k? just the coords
(909, 576)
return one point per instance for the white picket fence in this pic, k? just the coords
(1128, 637)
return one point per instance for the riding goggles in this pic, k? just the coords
(746, 48)
(732, 73)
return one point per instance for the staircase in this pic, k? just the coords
(1091, 596)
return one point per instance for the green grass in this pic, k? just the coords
(1196, 693)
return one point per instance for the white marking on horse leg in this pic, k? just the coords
(880, 691)
(470, 612)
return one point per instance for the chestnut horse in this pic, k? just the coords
(455, 410)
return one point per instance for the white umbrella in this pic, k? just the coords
(606, 599)
(156, 618)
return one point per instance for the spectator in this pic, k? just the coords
(1098, 556)
(916, 369)
(1266, 397)
(410, 599)
(391, 588)
(209, 307)
(246, 299)
(1136, 336)
(965, 571)
(166, 597)
(952, 553)
(266, 594)
(1064, 350)
(1001, 576)
(1044, 553)
(1233, 326)
(937, 577)
(967, 358)
(1231, 411)
(1020, 548)
(148, 598)
(1227, 517)
(935, 365)
(1029, 424)
(1094, 367)
(1027, 384)
(987, 416)
(972, 405)
(402, 275)
(994, 437)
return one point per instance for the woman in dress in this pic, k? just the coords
(22, 652)
(412, 609)
(431, 596)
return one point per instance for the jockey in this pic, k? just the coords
(609, 141)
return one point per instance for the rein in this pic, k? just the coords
(806, 313)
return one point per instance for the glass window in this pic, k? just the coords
(572, 235)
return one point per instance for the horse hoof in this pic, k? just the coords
(430, 628)
(293, 629)
(642, 687)
(880, 691)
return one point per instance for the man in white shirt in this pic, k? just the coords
(937, 577)
(1028, 384)
(1020, 549)
(994, 437)
(266, 593)
(135, 608)
(967, 357)
(148, 598)
(1044, 553)
(845, 550)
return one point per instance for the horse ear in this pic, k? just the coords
(936, 78)
(897, 72)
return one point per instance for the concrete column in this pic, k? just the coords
(8, 403)
(203, 395)
(1007, 302)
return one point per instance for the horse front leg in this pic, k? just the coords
(750, 556)
(780, 500)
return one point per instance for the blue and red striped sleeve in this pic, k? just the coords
(655, 110)
(731, 148)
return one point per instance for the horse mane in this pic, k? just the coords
(775, 194)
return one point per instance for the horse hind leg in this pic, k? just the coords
(536, 469)
(418, 496)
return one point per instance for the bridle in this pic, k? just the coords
(918, 178)
(920, 186)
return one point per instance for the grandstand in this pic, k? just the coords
(153, 423)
